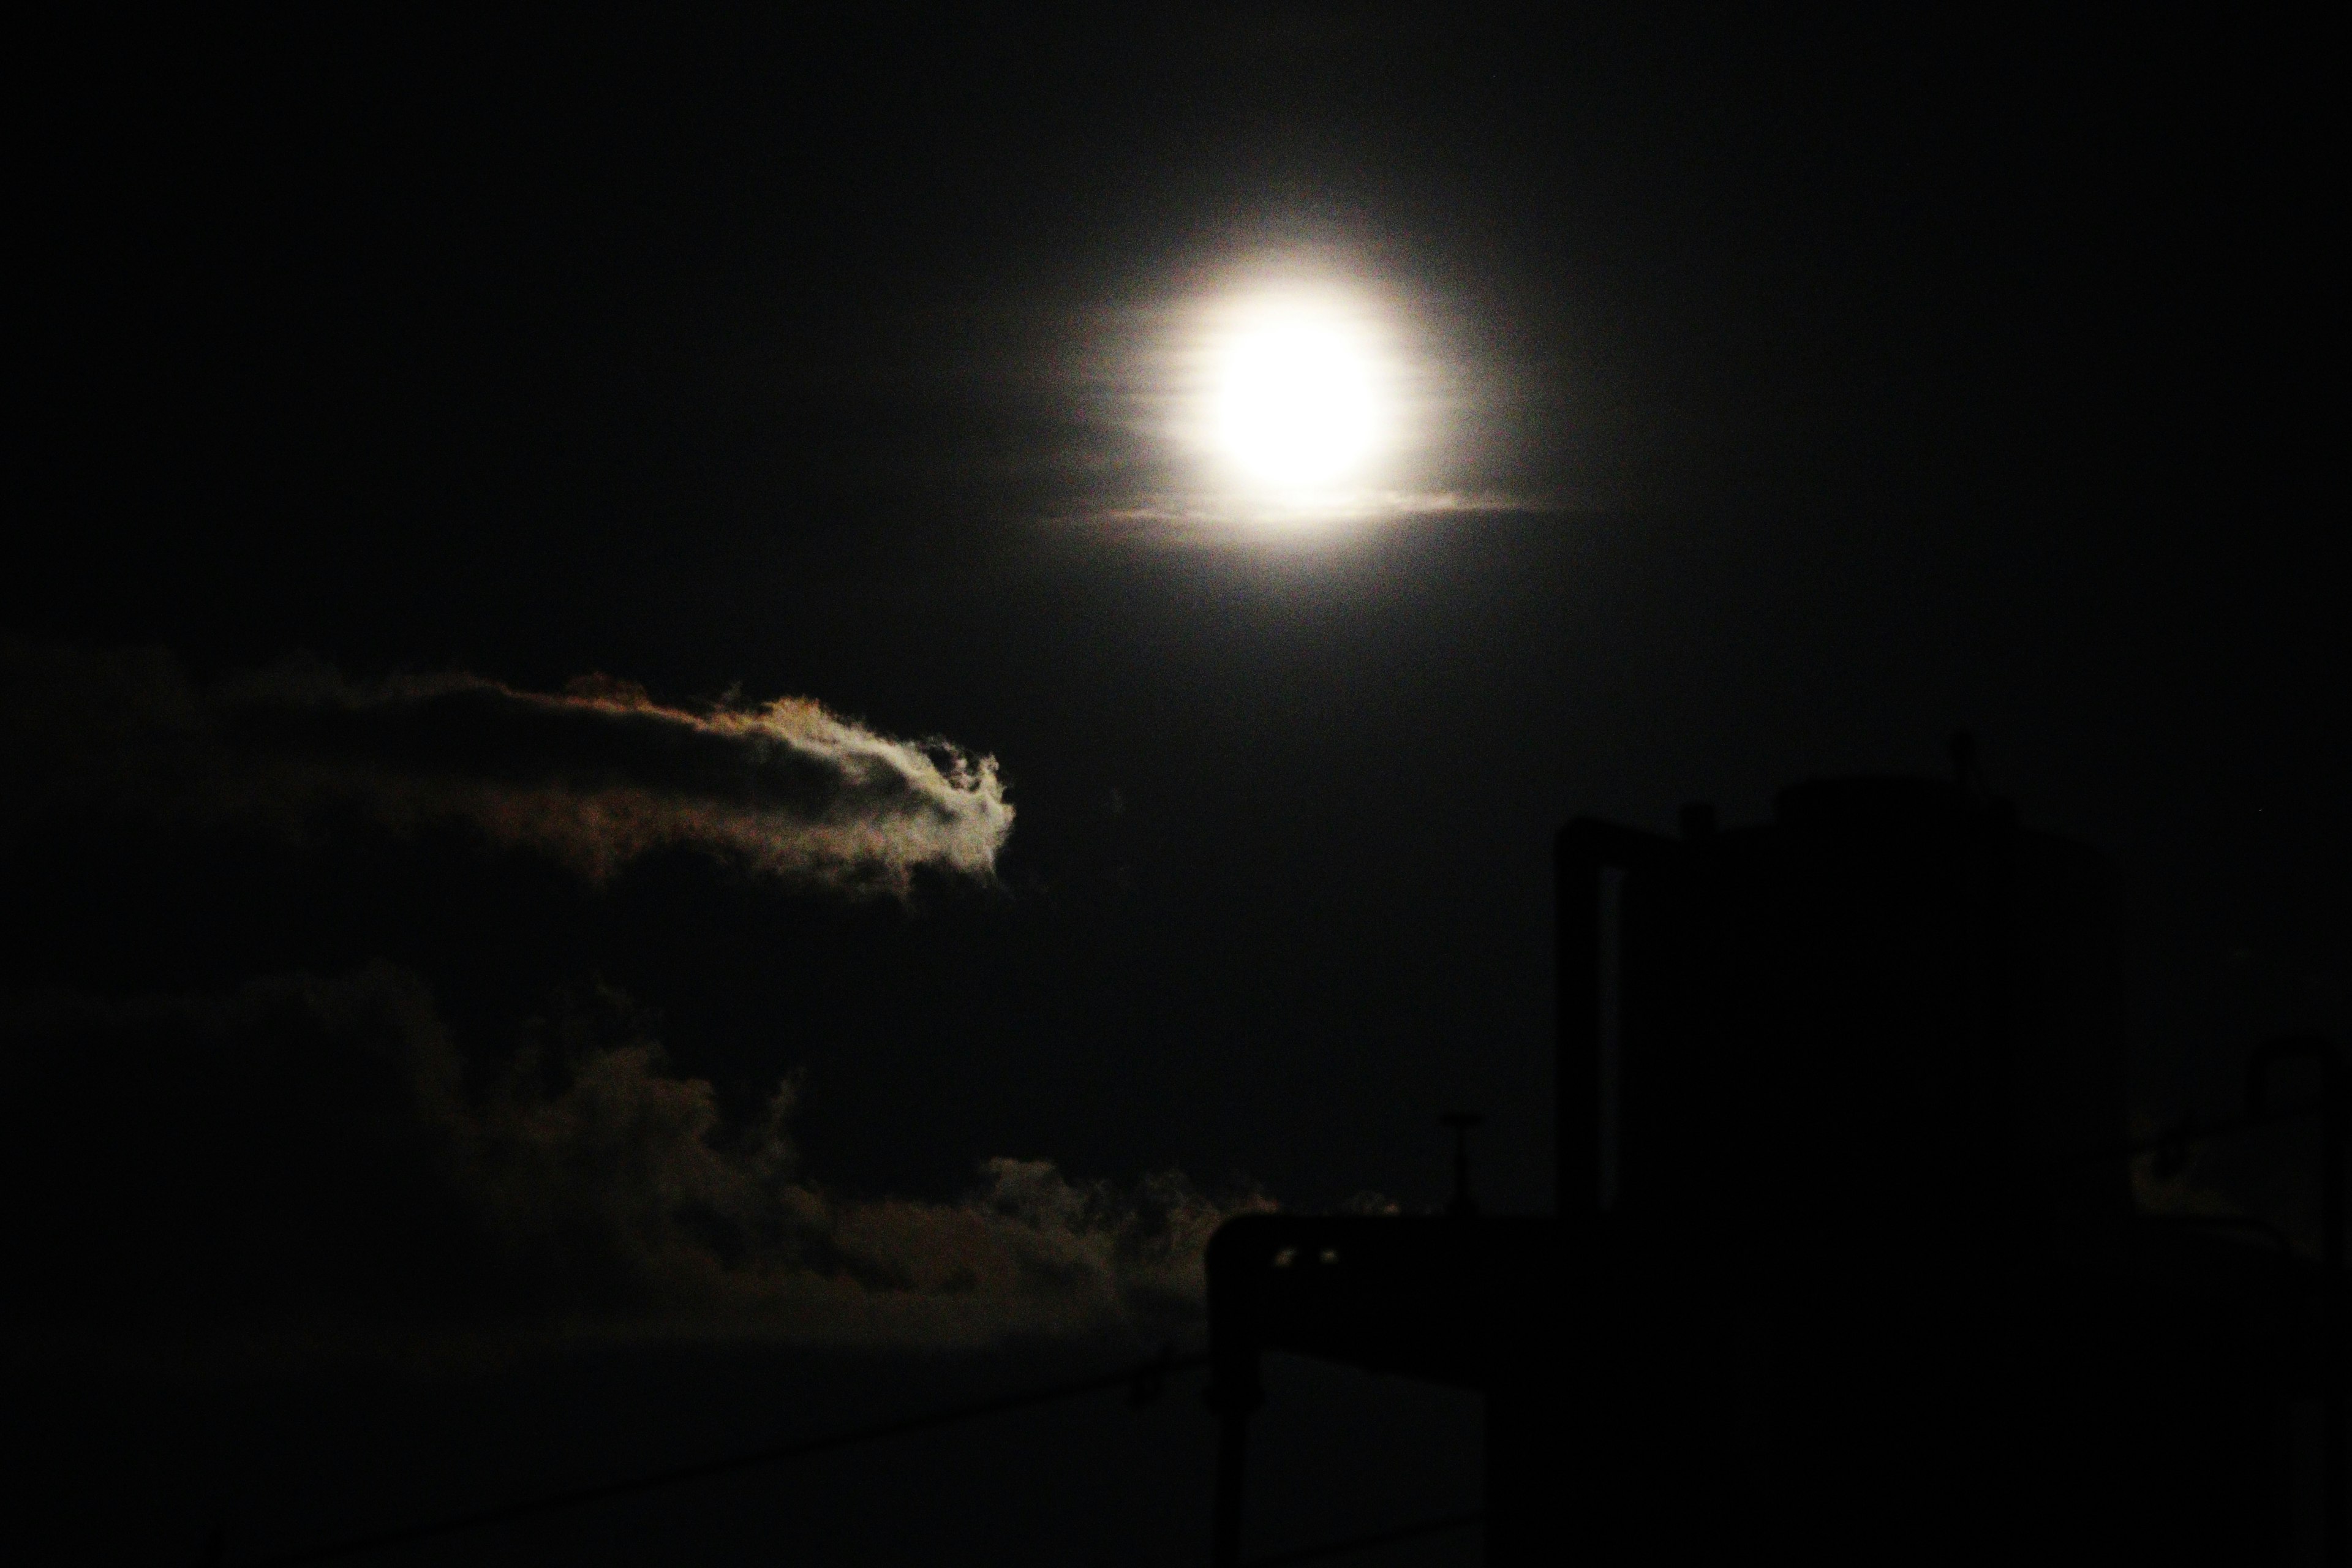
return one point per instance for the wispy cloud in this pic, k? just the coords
(592, 776)
(1210, 518)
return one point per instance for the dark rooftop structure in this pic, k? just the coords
(1845, 1259)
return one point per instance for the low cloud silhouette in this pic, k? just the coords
(592, 776)
(311, 1157)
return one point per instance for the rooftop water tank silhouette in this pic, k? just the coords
(1844, 1261)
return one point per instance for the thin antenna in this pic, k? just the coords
(1967, 772)
(1461, 1122)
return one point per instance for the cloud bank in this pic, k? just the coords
(306, 1157)
(592, 777)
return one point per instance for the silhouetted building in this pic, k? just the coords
(1846, 1262)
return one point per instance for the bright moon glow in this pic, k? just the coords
(1298, 397)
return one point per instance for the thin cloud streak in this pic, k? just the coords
(592, 777)
(1224, 518)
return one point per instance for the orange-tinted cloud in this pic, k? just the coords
(306, 1158)
(592, 776)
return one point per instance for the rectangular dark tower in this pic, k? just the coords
(1843, 1083)
(1844, 1263)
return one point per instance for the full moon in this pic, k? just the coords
(1299, 398)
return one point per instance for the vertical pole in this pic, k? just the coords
(1502, 1487)
(1590, 862)
(1233, 1431)
(2336, 1411)
(2336, 1387)
(1238, 1256)
(1462, 1205)
(1609, 1067)
(1576, 871)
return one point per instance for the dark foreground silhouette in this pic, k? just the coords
(1846, 1262)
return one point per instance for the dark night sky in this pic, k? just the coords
(1842, 382)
